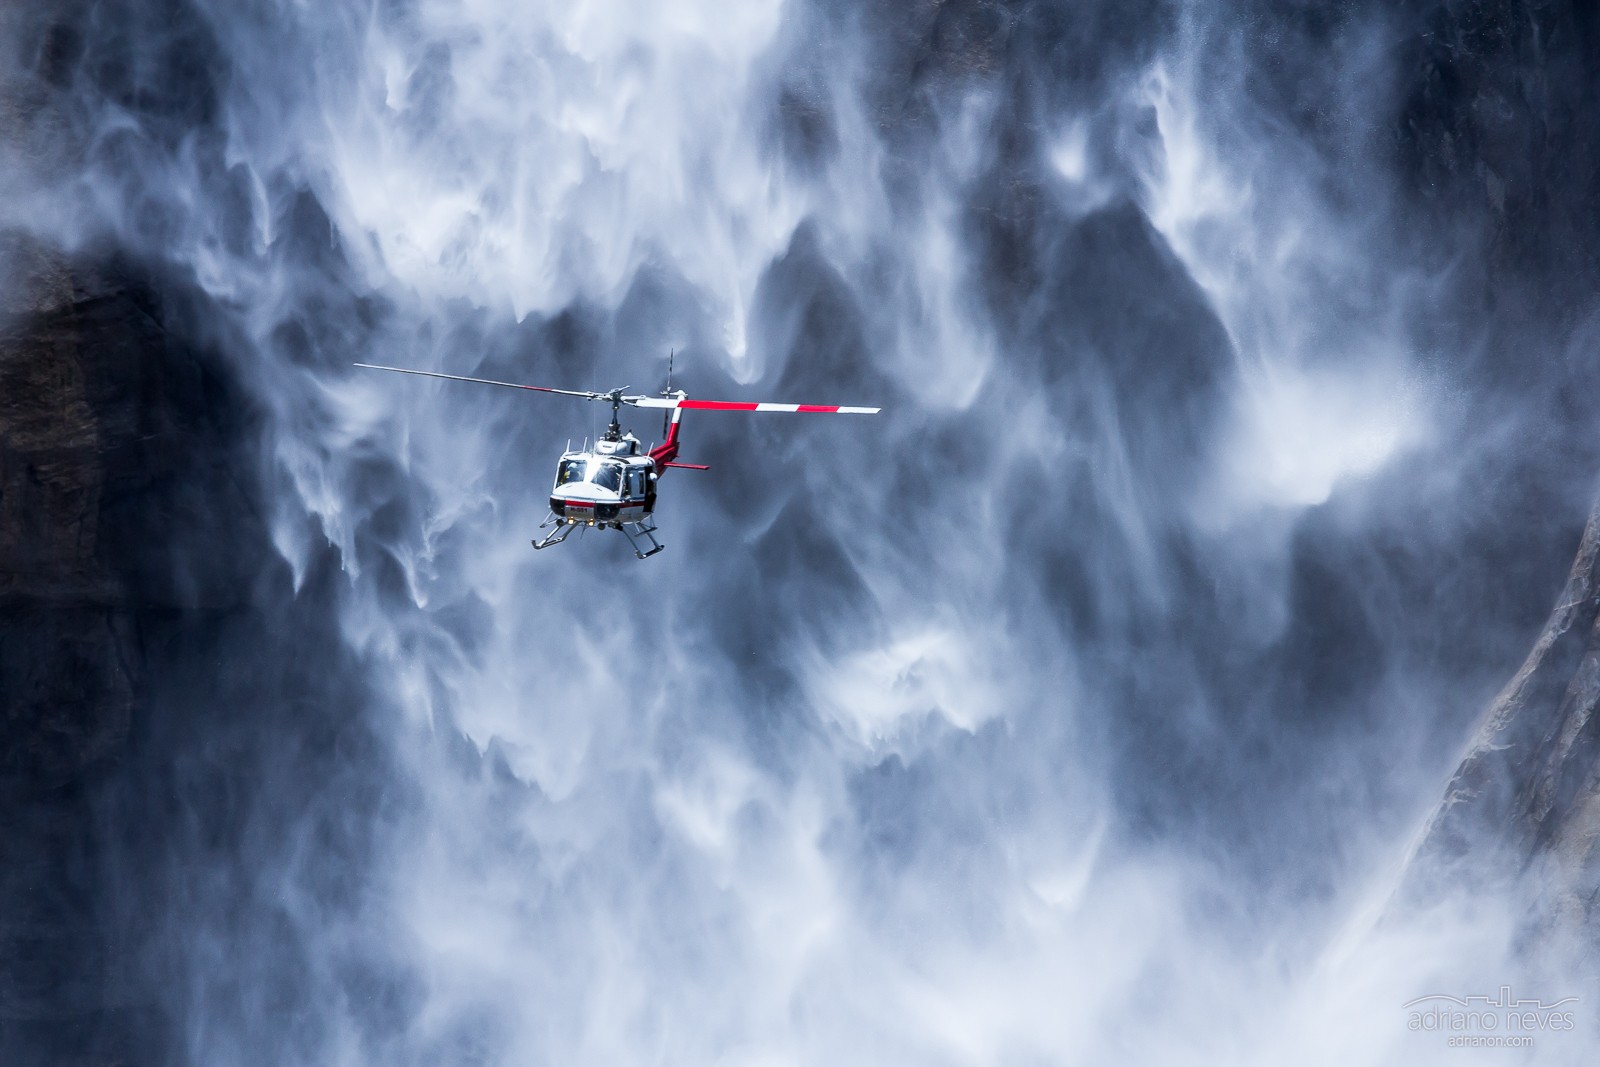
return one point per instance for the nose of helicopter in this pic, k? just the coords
(584, 501)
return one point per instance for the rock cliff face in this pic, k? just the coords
(141, 602)
(1496, 131)
(110, 437)
(1525, 801)
(67, 644)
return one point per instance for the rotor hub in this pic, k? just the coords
(614, 431)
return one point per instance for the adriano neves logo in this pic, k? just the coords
(1480, 1021)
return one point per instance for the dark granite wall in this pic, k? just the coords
(104, 426)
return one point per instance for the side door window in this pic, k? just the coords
(636, 483)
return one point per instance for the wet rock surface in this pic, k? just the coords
(1524, 804)
(112, 449)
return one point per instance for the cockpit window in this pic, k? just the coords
(605, 474)
(571, 471)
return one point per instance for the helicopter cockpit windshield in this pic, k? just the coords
(571, 471)
(606, 474)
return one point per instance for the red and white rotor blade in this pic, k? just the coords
(688, 404)
(484, 381)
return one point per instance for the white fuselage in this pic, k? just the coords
(607, 485)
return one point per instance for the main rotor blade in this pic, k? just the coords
(485, 381)
(739, 405)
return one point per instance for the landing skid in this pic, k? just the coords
(645, 529)
(555, 536)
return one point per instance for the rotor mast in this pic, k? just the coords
(614, 431)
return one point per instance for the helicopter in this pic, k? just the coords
(613, 484)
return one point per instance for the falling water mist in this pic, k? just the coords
(1082, 705)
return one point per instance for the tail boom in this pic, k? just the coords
(666, 453)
